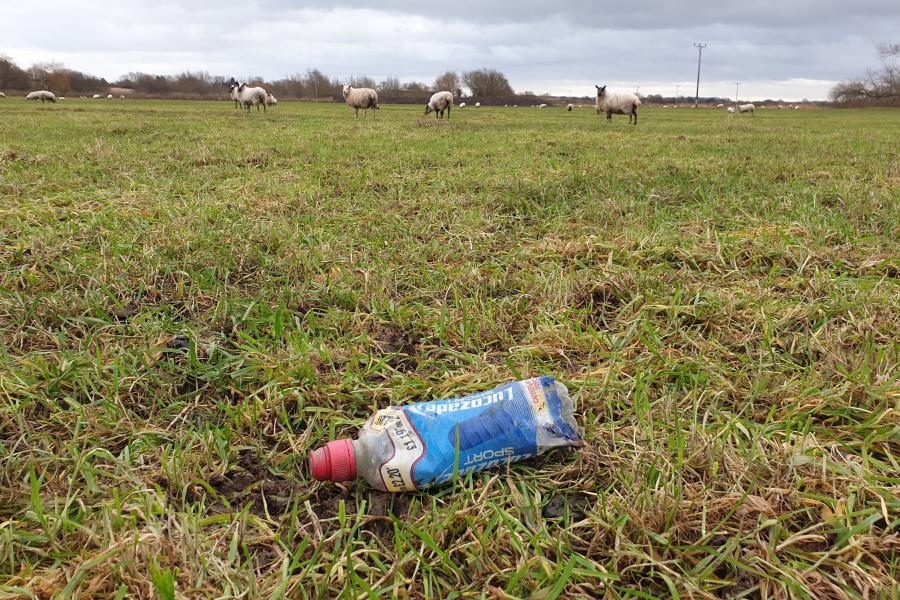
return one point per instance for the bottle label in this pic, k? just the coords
(432, 440)
(408, 448)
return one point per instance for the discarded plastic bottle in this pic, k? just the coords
(420, 445)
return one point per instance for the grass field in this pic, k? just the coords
(192, 298)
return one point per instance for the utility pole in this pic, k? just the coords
(699, 48)
(737, 87)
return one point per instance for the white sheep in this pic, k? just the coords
(109, 96)
(542, 106)
(42, 95)
(742, 108)
(439, 102)
(478, 105)
(248, 96)
(621, 104)
(462, 105)
(570, 107)
(730, 109)
(720, 105)
(271, 100)
(122, 97)
(96, 96)
(2, 95)
(361, 98)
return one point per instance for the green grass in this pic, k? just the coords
(192, 298)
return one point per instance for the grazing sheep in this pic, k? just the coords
(478, 105)
(2, 95)
(122, 97)
(271, 100)
(621, 104)
(542, 106)
(797, 107)
(720, 105)
(439, 102)
(247, 96)
(361, 98)
(42, 95)
(742, 108)
(96, 96)
(462, 105)
(515, 106)
(570, 107)
(109, 96)
(730, 109)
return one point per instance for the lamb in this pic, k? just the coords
(109, 96)
(439, 102)
(742, 108)
(570, 107)
(248, 96)
(542, 106)
(462, 105)
(2, 95)
(42, 95)
(478, 105)
(271, 100)
(96, 96)
(361, 98)
(730, 109)
(621, 104)
(720, 105)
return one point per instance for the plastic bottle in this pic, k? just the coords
(420, 445)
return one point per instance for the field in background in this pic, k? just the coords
(192, 298)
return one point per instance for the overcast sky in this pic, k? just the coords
(777, 48)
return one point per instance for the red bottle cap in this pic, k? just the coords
(335, 461)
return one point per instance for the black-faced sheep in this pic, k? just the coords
(620, 104)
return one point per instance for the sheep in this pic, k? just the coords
(42, 95)
(542, 106)
(462, 105)
(248, 96)
(742, 108)
(271, 100)
(570, 107)
(2, 95)
(122, 97)
(621, 104)
(730, 109)
(96, 96)
(109, 96)
(720, 105)
(361, 98)
(478, 105)
(439, 102)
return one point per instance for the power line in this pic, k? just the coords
(699, 46)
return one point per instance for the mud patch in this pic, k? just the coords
(604, 300)
(382, 506)
(560, 506)
(399, 344)
(250, 481)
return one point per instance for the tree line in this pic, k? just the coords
(878, 87)
(313, 84)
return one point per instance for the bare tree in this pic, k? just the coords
(362, 81)
(448, 82)
(485, 83)
(877, 87)
(389, 84)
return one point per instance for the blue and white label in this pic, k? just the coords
(507, 424)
